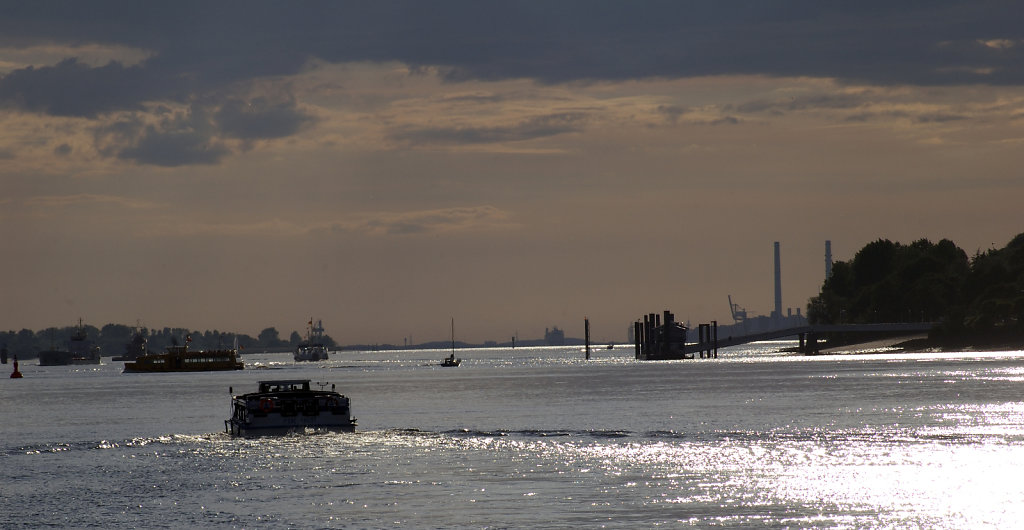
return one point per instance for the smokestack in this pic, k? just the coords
(828, 259)
(778, 283)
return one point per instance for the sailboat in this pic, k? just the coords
(451, 360)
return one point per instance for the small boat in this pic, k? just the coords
(451, 360)
(313, 348)
(289, 405)
(180, 359)
(80, 351)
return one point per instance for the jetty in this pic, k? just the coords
(661, 337)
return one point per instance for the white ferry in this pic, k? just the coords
(289, 405)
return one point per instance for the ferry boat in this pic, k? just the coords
(313, 348)
(180, 359)
(289, 405)
(80, 351)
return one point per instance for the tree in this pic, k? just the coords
(269, 338)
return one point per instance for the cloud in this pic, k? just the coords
(804, 102)
(376, 224)
(192, 53)
(199, 134)
(427, 221)
(672, 113)
(199, 48)
(182, 138)
(71, 88)
(528, 129)
(64, 201)
(260, 118)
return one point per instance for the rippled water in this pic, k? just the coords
(531, 437)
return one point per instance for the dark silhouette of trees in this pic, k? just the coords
(270, 338)
(924, 281)
(113, 338)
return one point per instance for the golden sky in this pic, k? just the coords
(512, 165)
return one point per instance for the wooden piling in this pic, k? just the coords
(586, 333)
(714, 327)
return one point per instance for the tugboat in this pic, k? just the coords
(80, 351)
(289, 405)
(312, 349)
(180, 359)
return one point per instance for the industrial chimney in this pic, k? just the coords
(777, 314)
(828, 259)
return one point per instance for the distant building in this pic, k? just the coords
(554, 337)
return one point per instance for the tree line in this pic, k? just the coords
(112, 339)
(977, 299)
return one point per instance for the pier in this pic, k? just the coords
(661, 337)
(810, 335)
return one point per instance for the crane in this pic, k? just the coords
(738, 313)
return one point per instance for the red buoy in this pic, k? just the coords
(16, 374)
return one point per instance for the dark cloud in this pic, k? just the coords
(71, 88)
(816, 101)
(203, 49)
(536, 127)
(260, 118)
(726, 120)
(198, 134)
(672, 112)
(916, 117)
(202, 46)
(62, 150)
(174, 148)
(180, 138)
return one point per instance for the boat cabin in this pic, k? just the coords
(284, 385)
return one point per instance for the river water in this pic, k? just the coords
(530, 437)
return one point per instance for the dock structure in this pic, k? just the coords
(658, 341)
(661, 337)
(810, 336)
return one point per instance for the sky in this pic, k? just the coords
(389, 166)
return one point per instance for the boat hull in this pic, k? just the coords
(63, 358)
(242, 429)
(307, 353)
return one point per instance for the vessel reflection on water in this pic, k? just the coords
(289, 405)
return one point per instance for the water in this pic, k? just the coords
(530, 437)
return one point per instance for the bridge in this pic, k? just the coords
(808, 335)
